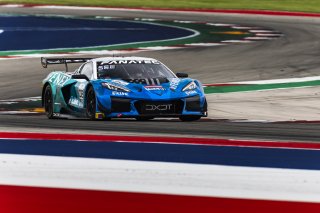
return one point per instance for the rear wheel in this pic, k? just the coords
(91, 104)
(48, 102)
(189, 117)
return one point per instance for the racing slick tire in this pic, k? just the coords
(144, 118)
(91, 104)
(190, 117)
(48, 102)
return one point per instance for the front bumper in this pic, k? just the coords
(119, 107)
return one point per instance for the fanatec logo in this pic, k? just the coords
(162, 107)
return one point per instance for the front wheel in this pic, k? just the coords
(48, 102)
(91, 104)
(189, 117)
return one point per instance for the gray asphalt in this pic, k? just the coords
(294, 55)
(205, 128)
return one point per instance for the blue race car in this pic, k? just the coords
(121, 87)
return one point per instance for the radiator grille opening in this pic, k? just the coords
(193, 103)
(120, 105)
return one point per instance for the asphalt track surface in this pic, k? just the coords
(294, 55)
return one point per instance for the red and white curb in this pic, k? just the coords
(160, 178)
(132, 185)
(181, 10)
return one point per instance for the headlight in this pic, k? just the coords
(190, 86)
(115, 87)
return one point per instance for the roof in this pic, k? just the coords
(106, 59)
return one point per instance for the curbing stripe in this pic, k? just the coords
(40, 199)
(164, 140)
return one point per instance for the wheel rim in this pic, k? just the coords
(91, 103)
(48, 102)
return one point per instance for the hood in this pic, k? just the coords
(157, 86)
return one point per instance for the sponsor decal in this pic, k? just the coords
(160, 107)
(122, 83)
(120, 93)
(106, 67)
(130, 62)
(192, 92)
(154, 88)
(56, 114)
(75, 102)
(174, 83)
(59, 79)
(100, 115)
(81, 88)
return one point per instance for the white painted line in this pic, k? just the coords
(279, 81)
(185, 22)
(236, 41)
(242, 27)
(16, 112)
(161, 48)
(160, 177)
(259, 38)
(250, 121)
(269, 34)
(205, 44)
(2, 59)
(261, 31)
(146, 19)
(36, 98)
(105, 17)
(220, 24)
(12, 5)
(8, 102)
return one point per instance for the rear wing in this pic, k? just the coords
(52, 61)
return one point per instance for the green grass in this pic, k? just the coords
(255, 87)
(284, 5)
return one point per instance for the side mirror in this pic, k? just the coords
(81, 76)
(182, 75)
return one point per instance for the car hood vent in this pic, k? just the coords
(148, 81)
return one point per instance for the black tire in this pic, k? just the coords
(48, 102)
(147, 118)
(190, 117)
(91, 104)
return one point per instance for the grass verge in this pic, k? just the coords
(255, 87)
(282, 5)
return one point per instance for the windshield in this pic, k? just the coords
(114, 70)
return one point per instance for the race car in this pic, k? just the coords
(121, 87)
